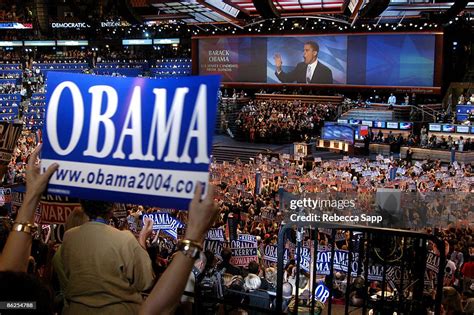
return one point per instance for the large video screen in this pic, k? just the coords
(380, 60)
(338, 132)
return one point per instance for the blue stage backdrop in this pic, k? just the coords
(133, 140)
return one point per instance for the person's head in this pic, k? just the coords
(303, 281)
(271, 275)
(210, 258)
(227, 279)
(95, 209)
(287, 290)
(451, 299)
(76, 218)
(252, 282)
(253, 267)
(310, 53)
(237, 283)
(3, 211)
(226, 254)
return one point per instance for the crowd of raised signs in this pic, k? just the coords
(249, 197)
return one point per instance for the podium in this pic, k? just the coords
(335, 145)
(301, 149)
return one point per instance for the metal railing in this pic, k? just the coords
(409, 242)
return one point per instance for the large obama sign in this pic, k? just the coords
(133, 140)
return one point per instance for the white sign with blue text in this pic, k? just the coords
(164, 222)
(134, 140)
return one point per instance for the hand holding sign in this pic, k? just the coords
(35, 186)
(15, 254)
(145, 232)
(202, 214)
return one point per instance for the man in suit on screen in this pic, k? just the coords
(310, 71)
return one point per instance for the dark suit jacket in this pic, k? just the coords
(321, 75)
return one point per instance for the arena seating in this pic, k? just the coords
(64, 67)
(10, 97)
(125, 68)
(34, 114)
(171, 68)
(370, 114)
(336, 100)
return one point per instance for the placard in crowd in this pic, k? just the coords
(244, 250)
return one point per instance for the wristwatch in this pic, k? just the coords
(24, 227)
(190, 248)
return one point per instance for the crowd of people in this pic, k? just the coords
(9, 88)
(282, 121)
(256, 213)
(433, 141)
(137, 272)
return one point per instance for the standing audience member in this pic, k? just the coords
(226, 266)
(256, 296)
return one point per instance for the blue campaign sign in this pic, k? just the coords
(134, 140)
(321, 293)
(164, 222)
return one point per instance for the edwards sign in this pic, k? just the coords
(135, 140)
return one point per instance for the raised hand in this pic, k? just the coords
(145, 232)
(278, 61)
(35, 181)
(202, 214)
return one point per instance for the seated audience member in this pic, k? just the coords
(225, 266)
(256, 296)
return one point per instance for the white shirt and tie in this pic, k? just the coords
(310, 71)
(392, 100)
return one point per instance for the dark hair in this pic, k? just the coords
(95, 209)
(3, 211)
(22, 287)
(253, 267)
(226, 254)
(209, 259)
(313, 45)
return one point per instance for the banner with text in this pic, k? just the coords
(244, 250)
(52, 209)
(164, 222)
(131, 140)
